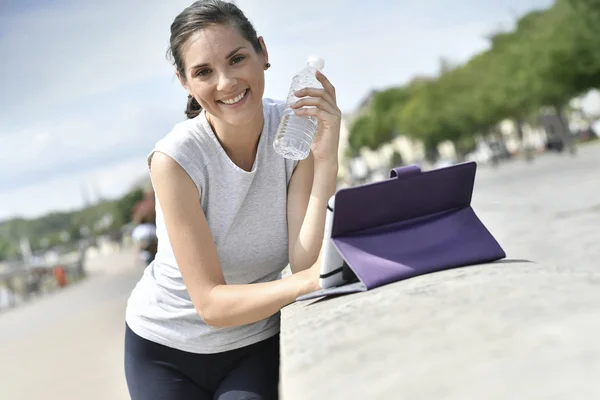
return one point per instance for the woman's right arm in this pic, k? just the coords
(219, 304)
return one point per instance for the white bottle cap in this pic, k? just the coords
(316, 62)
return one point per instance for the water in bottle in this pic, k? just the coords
(295, 133)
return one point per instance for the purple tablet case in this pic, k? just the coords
(411, 224)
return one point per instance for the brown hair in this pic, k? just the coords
(196, 17)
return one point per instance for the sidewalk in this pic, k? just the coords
(69, 345)
(508, 330)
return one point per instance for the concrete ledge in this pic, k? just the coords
(507, 330)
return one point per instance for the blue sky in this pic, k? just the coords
(87, 91)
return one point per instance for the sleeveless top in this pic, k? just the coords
(247, 216)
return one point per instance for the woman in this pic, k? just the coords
(203, 322)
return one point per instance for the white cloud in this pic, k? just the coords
(120, 130)
(67, 192)
(63, 54)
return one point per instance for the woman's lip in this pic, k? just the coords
(245, 93)
(238, 103)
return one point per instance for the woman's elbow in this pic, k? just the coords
(212, 315)
(213, 319)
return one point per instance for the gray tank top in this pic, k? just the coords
(246, 213)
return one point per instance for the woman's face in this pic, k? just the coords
(225, 74)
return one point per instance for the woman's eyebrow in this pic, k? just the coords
(233, 52)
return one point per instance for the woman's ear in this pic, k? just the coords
(182, 80)
(263, 47)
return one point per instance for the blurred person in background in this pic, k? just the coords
(145, 239)
(144, 233)
(203, 321)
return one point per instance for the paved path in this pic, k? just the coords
(494, 332)
(549, 211)
(69, 344)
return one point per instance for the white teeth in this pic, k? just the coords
(236, 99)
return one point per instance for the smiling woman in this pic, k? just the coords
(186, 49)
(203, 322)
(232, 79)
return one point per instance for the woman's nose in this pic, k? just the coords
(226, 82)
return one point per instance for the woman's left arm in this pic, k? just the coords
(314, 179)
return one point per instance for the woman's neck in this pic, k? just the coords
(240, 142)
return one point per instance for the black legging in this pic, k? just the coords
(157, 372)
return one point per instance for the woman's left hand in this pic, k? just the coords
(325, 109)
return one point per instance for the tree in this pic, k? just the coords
(378, 124)
(550, 57)
(124, 206)
(8, 249)
(441, 110)
(363, 133)
(52, 226)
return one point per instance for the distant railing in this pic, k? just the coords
(21, 283)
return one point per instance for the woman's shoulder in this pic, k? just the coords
(190, 146)
(187, 130)
(187, 139)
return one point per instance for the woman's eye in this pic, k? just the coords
(203, 72)
(237, 59)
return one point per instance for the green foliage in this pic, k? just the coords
(550, 57)
(56, 228)
(363, 133)
(124, 206)
(379, 123)
(8, 249)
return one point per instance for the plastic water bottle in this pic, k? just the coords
(295, 133)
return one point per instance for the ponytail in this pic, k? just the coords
(193, 108)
